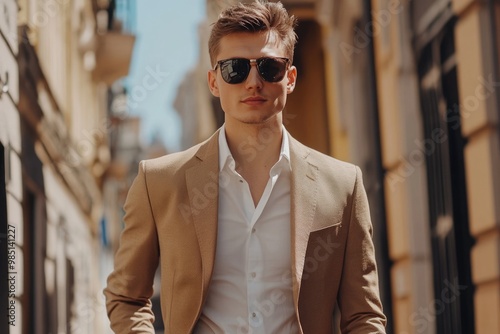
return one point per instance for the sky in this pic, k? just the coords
(166, 47)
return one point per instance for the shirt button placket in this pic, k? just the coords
(253, 256)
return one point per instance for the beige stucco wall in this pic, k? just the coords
(405, 177)
(479, 95)
(80, 104)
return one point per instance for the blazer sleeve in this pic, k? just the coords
(130, 286)
(359, 301)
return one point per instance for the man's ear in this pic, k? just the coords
(212, 83)
(291, 76)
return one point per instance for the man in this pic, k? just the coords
(253, 231)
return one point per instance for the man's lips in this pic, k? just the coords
(254, 100)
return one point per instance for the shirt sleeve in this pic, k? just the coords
(130, 285)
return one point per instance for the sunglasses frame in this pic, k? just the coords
(257, 62)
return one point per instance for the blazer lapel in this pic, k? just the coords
(303, 193)
(202, 182)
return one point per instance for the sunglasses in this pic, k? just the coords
(236, 70)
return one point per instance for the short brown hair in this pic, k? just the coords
(255, 17)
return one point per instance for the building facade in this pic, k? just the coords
(410, 92)
(437, 79)
(55, 153)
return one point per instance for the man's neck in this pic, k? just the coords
(255, 146)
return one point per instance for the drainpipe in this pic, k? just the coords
(387, 286)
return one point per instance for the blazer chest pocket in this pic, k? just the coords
(324, 249)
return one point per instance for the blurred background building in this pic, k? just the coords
(407, 90)
(59, 142)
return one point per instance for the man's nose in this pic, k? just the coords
(253, 80)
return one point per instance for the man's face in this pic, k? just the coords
(254, 101)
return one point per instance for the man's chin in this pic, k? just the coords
(260, 119)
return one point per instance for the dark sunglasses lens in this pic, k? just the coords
(272, 70)
(235, 70)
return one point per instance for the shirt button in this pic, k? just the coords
(253, 276)
(254, 314)
(241, 181)
(253, 230)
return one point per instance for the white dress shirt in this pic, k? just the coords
(250, 291)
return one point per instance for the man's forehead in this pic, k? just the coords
(269, 39)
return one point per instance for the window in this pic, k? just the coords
(450, 238)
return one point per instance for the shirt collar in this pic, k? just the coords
(225, 155)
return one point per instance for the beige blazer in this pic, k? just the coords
(171, 221)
